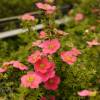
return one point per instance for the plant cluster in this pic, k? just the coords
(58, 62)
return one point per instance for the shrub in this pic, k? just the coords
(72, 54)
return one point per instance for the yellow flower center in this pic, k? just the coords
(42, 65)
(51, 46)
(45, 6)
(22, 65)
(68, 58)
(31, 79)
(51, 81)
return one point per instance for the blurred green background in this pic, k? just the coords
(15, 7)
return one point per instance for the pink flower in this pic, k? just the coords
(68, 57)
(40, 5)
(2, 70)
(27, 17)
(52, 66)
(6, 64)
(43, 98)
(75, 52)
(47, 75)
(36, 43)
(42, 34)
(48, 8)
(79, 17)
(42, 65)
(92, 43)
(49, 11)
(31, 80)
(84, 93)
(45, 6)
(19, 65)
(50, 46)
(50, 98)
(34, 57)
(52, 83)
